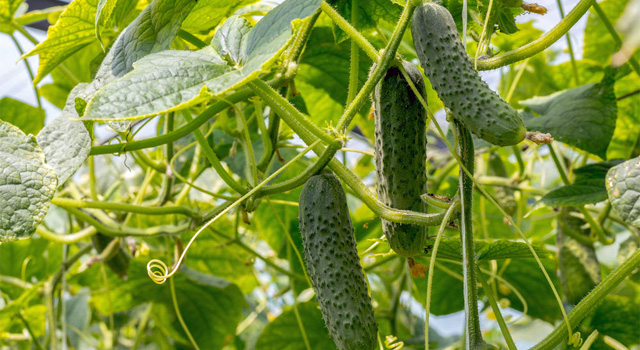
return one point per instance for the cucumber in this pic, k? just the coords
(333, 264)
(401, 151)
(118, 260)
(457, 83)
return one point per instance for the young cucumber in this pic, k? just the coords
(457, 83)
(333, 264)
(401, 151)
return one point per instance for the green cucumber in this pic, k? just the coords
(333, 264)
(117, 259)
(401, 152)
(458, 84)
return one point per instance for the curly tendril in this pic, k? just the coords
(390, 342)
(158, 270)
(575, 339)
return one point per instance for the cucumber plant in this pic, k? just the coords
(286, 145)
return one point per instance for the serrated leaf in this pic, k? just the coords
(583, 117)
(104, 11)
(578, 264)
(28, 118)
(73, 30)
(9, 9)
(27, 184)
(451, 248)
(230, 38)
(585, 192)
(209, 13)
(39, 15)
(171, 80)
(623, 187)
(283, 333)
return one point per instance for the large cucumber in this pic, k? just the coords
(401, 151)
(457, 83)
(333, 264)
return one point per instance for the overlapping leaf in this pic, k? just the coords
(27, 184)
(28, 118)
(172, 80)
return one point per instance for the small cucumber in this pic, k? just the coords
(458, 84)
(401, 152)
(117, 260)
(333, 264)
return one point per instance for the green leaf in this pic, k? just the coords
(583, 117)
(152, 31)
(39, 15)
(617, 317)
(450, 248)
(229, 39)
(623, 187)
(207, 14)
(579, 267)
(27, 184)
(73, 30)
(370, 13)
(8, 9)
(447, 293)
(284, 333)
(627, 132)
(28, 118)
(585, 192)
(598, 44)
(171, 80)
(104, 12)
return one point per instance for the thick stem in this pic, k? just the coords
(352, 32)
(542, 43)
(589, 303)
(473, 332)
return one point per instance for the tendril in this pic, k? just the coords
(157, 271)
(390, 342)
(575, 339)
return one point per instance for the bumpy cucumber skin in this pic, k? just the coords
(333, 264)
(401, 152)
(457, 83)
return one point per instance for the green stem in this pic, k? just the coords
(301, 39)
(354, 58)
(92, 178)
(616, 38)
(213, 158)
(68, 238)
(298, 122)
(473, 332)
(183, 131)
(267, 154)
(589, 303)
(174, 300)
(295, 301)
(432, 266)
(142, 326)
(505, 182)
(574, 66)
(34, 339)
(24, 32)
(128, 231)
(31, 76)
(489, 291)
(167, 183)
(191, 39)
(380, 69)
(130, 208)
(355, 36)
(250, 158)
(540, 44)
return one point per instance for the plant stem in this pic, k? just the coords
(616, 38)
(380, 69)
(213, 158)
(540, 44)
(473, 332)
(191, 39)
(352, 32)
(574, 66)
(489, 291)
(589, 303)
(301, 39)
(34, 339)
(354, 58)
(131, 208)
(29, 71)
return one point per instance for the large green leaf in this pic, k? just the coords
(627, 132)
(229, 39)
(623, 186)
(284, 333)
(579, 268)
(447, 293)
(209, 13)
(27, 184)
(588, 187)
(28, 118)
(171, 80)
(450, 248)
(369, 14)
(618, 318)
(598, 43)
(73, 30)
(584, 117)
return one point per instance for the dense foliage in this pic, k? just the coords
(158, 208)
